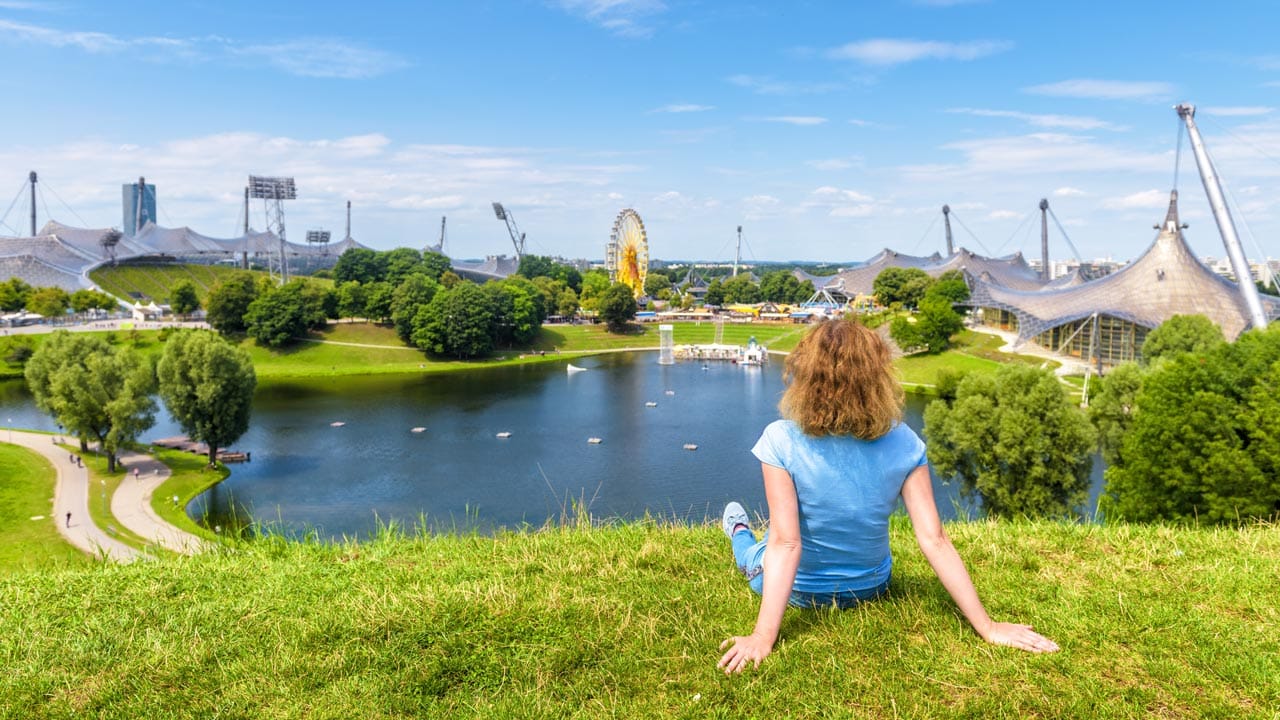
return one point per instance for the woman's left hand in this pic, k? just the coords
(743, 650)
(1019, 636)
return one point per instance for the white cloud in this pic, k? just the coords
(831, 164)
(1105, 89)
(1237, 111)
(1147, 199)
(423, 202)
(767, 85)
(1068, 191)
(860, 123)
(686, 108)
(307, 57)
(1037, 154)
(841, 203)
(628, 18)
(1003, 215)
(801, 120)
(892, 51)
(1068, 122)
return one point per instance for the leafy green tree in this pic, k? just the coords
(655, 283)
(1182, 334)
(398, 264)
(594, 285)
(284, 313)
(906, 286)
(435, 264)
(803, 292)
(1112, 408)
(351, 300)
(207, 384)
(617, 306)
(951, 286)
(715, 293)
(99, 393)
(378, 300)
(532, 266)
(780, 286)
(741, 289)
(528, 308)
(359, 264)
(82, 301)
(459, 321)
(567, 303)
(1015, 440)
(183, 299)
(49, 302)
(229, 302)
(450, 279)
(409, 297)
(1200, 446)
(14, 294)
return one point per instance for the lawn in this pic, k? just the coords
(623, 620)
(29, 538)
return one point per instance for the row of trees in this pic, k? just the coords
(104, 394)
(935, 319)
(1190, 434)
(15, 295)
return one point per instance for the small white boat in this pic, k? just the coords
(504, 435)
(571, 368)
(418, 430)
(690, 446)
(594, 440)
(336, 423)
(670, 392)
(651, 404)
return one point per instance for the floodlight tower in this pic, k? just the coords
(517, 237)
(273, 191)
(319, 237)
(1226, 227)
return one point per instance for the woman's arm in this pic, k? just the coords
(781, 558)
(917, 495)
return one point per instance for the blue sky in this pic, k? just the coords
(828, 130)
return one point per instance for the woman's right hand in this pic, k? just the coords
(1019, 636)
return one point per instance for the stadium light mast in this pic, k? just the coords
(1226, 227)
(1044, 241)
(517, 237)
(319, 237)
(33, 203)
(273, 191)
(946, 222)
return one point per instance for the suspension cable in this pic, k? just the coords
(5, 217)
(45, 183)
(1066, 237)
(966, 229)
(916, 247)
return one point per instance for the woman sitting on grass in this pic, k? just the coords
(834, 469)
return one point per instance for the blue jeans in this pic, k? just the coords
(749, 556)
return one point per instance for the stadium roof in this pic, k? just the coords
(1010, 270)
(1166, 280)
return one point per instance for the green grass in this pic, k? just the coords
(26, 491)
(624, 621)
(157, 281)
(102, 486)
(189, 477)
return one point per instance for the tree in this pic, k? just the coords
(532, 266)
(411, 295)
(351, 300)
(655, 283)
(435, 264)
(49, 302)
(378, 300)
(183, 299)
(97, 392)
(780, 286)
(1201, 445)
(14, 294)
(528, 308)
(594, 285)
(229, 302)
(900, 285)
(1112, 408)
(398, 264)
(950, 285)
(459, 321)
(803, 292)
(359, 264)
(82, 301)
(741, 289)
(207, 384)
(567, 303)
(617, 306)
(284, 313)
(1014, 439)
(715, 293)
(1181, 334)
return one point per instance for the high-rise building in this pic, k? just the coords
(139, 206)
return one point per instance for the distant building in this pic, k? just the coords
(138, 203)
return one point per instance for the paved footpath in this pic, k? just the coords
(131, 503)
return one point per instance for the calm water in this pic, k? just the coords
(307, 474)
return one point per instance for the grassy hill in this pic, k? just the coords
(155, 281)
(625, 620)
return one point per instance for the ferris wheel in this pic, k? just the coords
(627, 255)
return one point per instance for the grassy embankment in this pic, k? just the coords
(29, 538)
(156, 281)
(624, 621)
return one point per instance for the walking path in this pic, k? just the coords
(1066, 365)
(130, 504)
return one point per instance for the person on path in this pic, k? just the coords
(834, 468)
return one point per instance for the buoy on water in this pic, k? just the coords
(504, 435)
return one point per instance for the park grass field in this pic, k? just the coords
(591, 620)
(157, 281)
(26, 493)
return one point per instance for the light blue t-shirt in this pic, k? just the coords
(846, 488)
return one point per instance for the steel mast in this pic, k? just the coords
(1045, 274)
(946, 221)
(33, 203)
(737, 254)
(1227, 228)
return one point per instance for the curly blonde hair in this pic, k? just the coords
(841, 381)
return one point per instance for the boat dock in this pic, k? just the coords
(186, 444)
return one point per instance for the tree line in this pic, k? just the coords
(51, 302)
